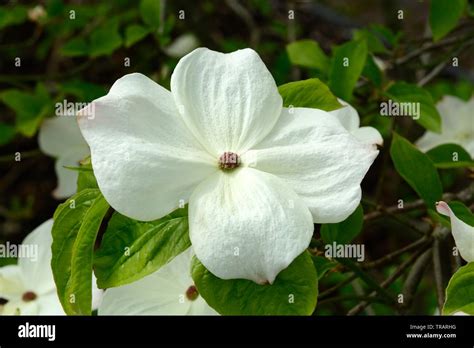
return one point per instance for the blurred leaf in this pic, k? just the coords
(462, 89)
(444, 16)
(131, 249)
(75, 48)
(372, 71)
(344, 232)
(323, 265)
(460, 291)
(134, 33)
(311, 93)
(150, 12)
(417, 169)
(294, 291)
(386, 33)
(450, 156)
(7, 133)
(105, 39)
(374, 45)
(16, 14)
(346, 66)
(30, 108)
(307, 53)
(76, 223)
(84, 91)
(54, 8)
(429, 117)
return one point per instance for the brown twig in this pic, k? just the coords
(392, 256)
(386, 283)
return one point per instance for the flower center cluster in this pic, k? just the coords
(29, 296)
(192, 293)
(229, 161)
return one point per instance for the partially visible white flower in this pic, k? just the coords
(256, 175)
(463, 233)
(182, 45)
(60, 137)
(168, 291)
(349, 118)
(381, 64)
(29, 287)
(457, 125)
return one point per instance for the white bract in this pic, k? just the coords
(463, 233)
(349, 118)
(29, 286)
(457, 125)
(256, 175)
(182, 45)
(60, 137)
(168, 291)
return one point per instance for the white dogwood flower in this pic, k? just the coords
(462, 232)
(349, 118)
(28, 287)
(168, 291)
(457, 125)
(61, 138)
(256, 175)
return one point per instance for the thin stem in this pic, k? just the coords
(336, 287)
(392, 256)
(352, 298)
(386, 283)
(414, 277)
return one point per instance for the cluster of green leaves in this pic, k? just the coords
(68, 31)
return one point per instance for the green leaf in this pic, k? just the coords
(132, 249)
(307, 53)
(346, 66)
(16, 14)
(311, 93)
(374, 44)
(429, 117)
(7, 133)
(30, 108)
(86, 178)
(462, 212)
(372, 71)
(134, 33)
(462, 89)
(460, 291)
(150, 12)
(76, 223)
(294, 291)
(450, 156)
(84, 91)
(444, 16)
(345, 231)
(75, 47)
(323, 265)
(417, 169)
(105, 39)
